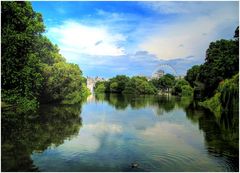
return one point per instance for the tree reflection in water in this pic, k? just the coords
(52, 125)
(161, 103)
(22, 135)
(221, 133)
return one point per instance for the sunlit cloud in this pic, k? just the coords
(190, 34)
(91, 40)
(105, 39)
(103, 127)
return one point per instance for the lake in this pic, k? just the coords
(113, 132)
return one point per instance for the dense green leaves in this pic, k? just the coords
(192, 74)
(221, 62)
(212, 80)
(63, 83)
(20, 66)
(32, 67)
(226, 98)
(182, 88)
(126, 85)
(164, 83)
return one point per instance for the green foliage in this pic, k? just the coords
(213, 104)
(64, 83)
(187, 90)
(125, 85)
(99, 87)
(222, 62)
(164, 83)
(229, 90)
(32, 68)
(139, 85)
(118, 83)
(182, 88)
(114, 87)
(192, 74)
(226, 98)
(20, 29)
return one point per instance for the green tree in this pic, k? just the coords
(33, 70)
(21, 77)
(114, 87)
(226, 98)
(63, 83)
(182, 88)
(139, 85)
(99, 87)
(222, 61)
(192, 74)
(118, 83)
(164, 83)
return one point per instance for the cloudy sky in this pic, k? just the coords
(136, 38)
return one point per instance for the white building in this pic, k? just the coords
(158, 74)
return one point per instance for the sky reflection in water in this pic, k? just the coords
(119, 130)
(109, 132)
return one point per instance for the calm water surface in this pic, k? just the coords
(110, 132)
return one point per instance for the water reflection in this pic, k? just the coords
(161, 103)
(160, 133)
(221, 133)
(21, 136)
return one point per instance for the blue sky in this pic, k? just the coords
(135, 38)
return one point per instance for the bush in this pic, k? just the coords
(100, 88)
(226, 97)
(182, 88)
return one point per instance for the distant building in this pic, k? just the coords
(92, 81)
(158, 74)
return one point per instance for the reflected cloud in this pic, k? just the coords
(102, 127)
(90, 138)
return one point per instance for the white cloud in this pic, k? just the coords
(90, 138)
(103, 128)
(166, 44)
(192, 32)
(76, 37)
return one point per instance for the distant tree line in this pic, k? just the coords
(215, 82)
(33, 70)
(141, 85)
(126, 85)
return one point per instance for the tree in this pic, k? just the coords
(100, 87)
(114, 87)
(119, 83)
(63, 83)
(29, 59)
(164, 83)
(192, 74)
(21, 76)
(236, 34)
(139, 85)
(182, 88)
(221, 62)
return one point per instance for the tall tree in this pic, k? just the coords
(21, 26)
(222, 61)
(192, 74)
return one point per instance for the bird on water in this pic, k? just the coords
(134, 165)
